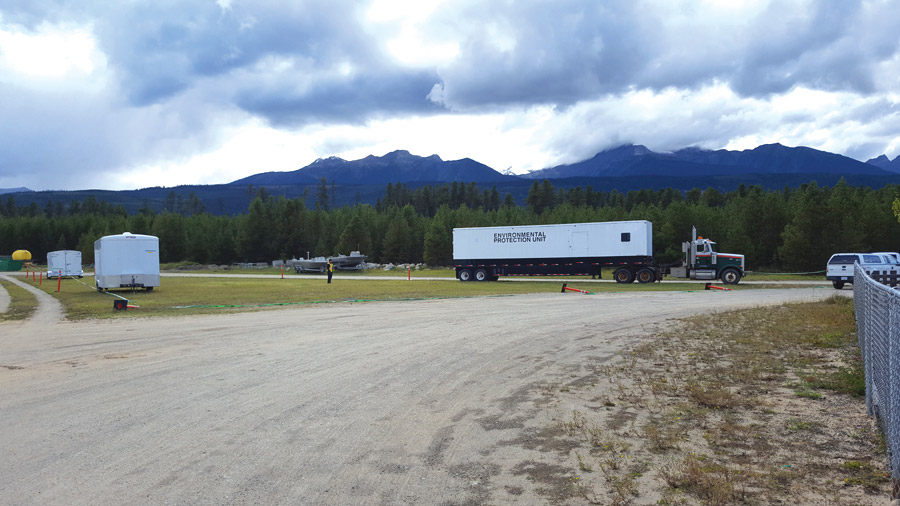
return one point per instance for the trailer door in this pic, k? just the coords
(578, 244)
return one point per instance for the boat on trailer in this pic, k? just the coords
(354, 261)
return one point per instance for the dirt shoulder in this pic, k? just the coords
(755, 406)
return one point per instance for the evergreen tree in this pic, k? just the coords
(322, 195)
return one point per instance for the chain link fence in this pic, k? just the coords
(877, 309)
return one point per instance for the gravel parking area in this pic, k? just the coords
(372, 403)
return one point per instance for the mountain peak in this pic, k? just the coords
(399, 166)
(885, 163)
(637, 161)
(879, 161)
(328, 160)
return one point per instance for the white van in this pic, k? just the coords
(839, 269)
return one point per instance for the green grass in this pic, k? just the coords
(21, 304)
(187, 296)
(431, 272)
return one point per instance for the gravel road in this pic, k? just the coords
(426, 402)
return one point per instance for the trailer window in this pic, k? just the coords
(626, 236)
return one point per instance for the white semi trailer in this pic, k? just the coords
(626, 247)
(126, 260)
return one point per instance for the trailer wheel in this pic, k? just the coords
(149, 288)
(465, 275)
(623, 276)
(838, 284)
(731, 276)
(646, 276)
(481, 275)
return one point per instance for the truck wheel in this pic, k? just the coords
(623, 276)
(838, 284)
(481, 275)
(646, 276)
(731, 277)
(465, 275)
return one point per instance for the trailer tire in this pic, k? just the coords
(623, 276)
(465, 275)
(646, 276)
(149, 288)
(838, 284)
(731, 276)
(481, 275)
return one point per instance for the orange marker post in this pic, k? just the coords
(41, 282)
(33, 277)
(59, 281)
(409, 273)
(282, 271)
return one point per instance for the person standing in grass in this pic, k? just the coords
(330, 270)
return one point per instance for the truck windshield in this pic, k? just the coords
(842, 259)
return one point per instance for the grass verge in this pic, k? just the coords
(189, 295)
(21, 305)
(759, 406)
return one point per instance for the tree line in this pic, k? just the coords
(784, 230)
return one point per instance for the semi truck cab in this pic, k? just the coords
(701, 261)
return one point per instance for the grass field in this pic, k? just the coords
(188, 296)
(21, 304)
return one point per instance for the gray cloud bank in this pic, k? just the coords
(177, 71)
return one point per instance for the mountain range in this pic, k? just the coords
(395, 167)
(637, 160)
(624, 168)
(621, 162)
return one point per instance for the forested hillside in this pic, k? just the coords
(789, 230)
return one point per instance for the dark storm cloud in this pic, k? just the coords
(341, 99)
(161, 49)
(567, 51)
(547, 52)
(832, 46)
(527, 52)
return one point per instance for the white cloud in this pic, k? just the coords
(49, 51)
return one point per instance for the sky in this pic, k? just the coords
(133, 94)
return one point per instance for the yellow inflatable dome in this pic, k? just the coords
(21, 254)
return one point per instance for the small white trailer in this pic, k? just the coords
(126, 260)
(65, 263)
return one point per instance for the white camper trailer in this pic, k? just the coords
(65, 263)
(127, 260)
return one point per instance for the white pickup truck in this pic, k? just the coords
(839, 269)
